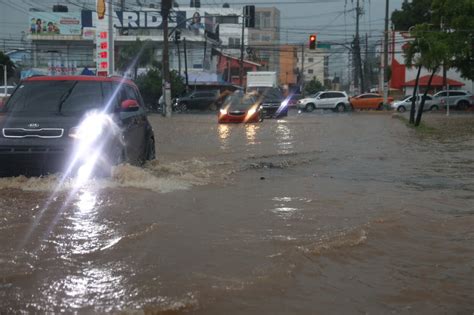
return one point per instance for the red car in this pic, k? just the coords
(240, 108)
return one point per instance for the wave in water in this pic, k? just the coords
(153, 176)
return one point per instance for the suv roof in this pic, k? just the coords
(79, 78)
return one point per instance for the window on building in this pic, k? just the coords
(266, 20)
(310, 71)
(227, 19)
(310, 59)
(234, 42)
(266, 38)
(255, 36)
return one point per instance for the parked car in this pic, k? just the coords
(405, 104)
(453, 98)
(64, 122)
(368, 101)
(201, 100)
(335, 100)
(240, 108)
(10, 89)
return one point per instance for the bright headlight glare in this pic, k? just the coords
(223, 111)
(90, 128)
(252, 111)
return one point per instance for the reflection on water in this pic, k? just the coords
(93, 287)
(224, 133)
(283, 208)
(251, 133)
(87, 232)
(284, 138)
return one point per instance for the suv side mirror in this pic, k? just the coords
(129, 106)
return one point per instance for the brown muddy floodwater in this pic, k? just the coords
(314, 214)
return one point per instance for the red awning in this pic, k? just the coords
(436, 82)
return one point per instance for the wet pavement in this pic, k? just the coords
(315, 213)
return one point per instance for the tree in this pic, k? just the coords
(136, 54)
(455, 18)
(5, 60)
(412, 13)
(429, 50)
(150, 85)
(313, 86)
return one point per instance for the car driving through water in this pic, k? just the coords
(240, 108)
(68, 123)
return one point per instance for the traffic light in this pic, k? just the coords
(249, 13)
(312, 41)
(177, 35)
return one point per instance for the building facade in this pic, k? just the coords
(288, 66)
(264, 39)
(64, 42)
(315, 64)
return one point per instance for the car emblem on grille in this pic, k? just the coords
(33, 125)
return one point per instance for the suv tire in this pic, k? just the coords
(462, 105)
(309, 107)
(434, 108)
(401, 109)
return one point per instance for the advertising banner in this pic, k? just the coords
(55, 23)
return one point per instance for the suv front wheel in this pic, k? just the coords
(309, 107)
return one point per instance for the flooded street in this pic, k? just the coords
(314, 213)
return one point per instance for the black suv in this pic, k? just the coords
(271, 100)
(197, 100)
(61, 123)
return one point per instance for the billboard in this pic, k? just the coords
(55, 23)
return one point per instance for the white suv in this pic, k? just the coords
(335, 100)
(454, 98)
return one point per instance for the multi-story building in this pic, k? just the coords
(288, 66)
(264, 39)
(316, 64)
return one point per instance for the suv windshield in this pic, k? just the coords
(63, 97)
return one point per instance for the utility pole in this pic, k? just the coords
(241, 65)
(302, 69)
(122, 7)
(385, 56)
(367, 76)
(165, 10)
(185, 63)
(5, 79)
(358, 59)
(110, 12)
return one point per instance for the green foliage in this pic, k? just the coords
(313, 86)
(136, 54)
(446, 37)
(412, 13)
(429, 49)
(150, 85)
(177, 84)
(5, 60)
(456, 18)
